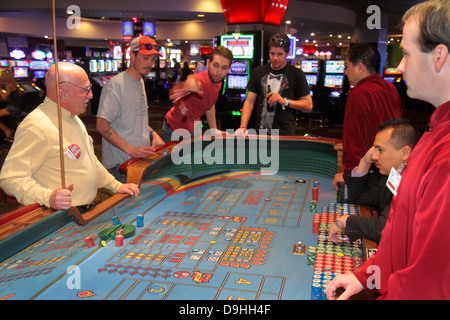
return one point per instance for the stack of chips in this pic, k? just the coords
(313, 206)
(115, 220)
(328, 258)
(320, 280)
(311, 256)
(89, 242)
(140, 221)
(329, 214)
(315, 190)
(119, 240)
(315, 196)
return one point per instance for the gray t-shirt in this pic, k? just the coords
(123, 103)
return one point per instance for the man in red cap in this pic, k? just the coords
(122, 117)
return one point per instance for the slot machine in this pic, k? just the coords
(29, 94)
(334, 83)
(334, 76)
(311, 69)
(392, 75)
(234, 89)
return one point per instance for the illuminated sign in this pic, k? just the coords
(254, 11)
(148, 29)
(17, 54)
(291, 53)
(242, 48)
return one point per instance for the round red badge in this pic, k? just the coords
(73, 152)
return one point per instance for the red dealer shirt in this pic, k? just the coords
(414, 251)
(190, 109)
(372, 101)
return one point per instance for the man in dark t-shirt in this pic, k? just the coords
(289, 92)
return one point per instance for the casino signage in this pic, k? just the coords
(254, 11)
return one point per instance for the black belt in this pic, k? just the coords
(85, 208)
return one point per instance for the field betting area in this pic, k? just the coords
(215, 231)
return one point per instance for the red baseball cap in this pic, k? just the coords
(146, 46)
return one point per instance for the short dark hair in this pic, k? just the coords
(367, 54)
(433, 17)
(280, 40)
(404, 132)
(222, 51)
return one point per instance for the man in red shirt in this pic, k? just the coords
(197, 97)
(413, 257)
(372, 101)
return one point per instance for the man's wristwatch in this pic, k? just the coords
(338, 224)
(286, 102)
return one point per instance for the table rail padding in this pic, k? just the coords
(48, 222)
(25, 226)
(17, 213)
(300, 154)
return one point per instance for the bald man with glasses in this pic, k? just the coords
(32, 171)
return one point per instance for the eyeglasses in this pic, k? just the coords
(86, 89)
(149, 46)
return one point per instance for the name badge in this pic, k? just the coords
(393, 181)
(73, 152)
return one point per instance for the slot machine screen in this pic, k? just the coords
(127, 28)
(93, 66)
(101, 65)
(151, 75)
(39, 65)
(311, 79)
(391, 71)
(108, 66)
(239, 67)
(148, 29)
(334, 81)
(115, 66)
(39, 74)
(237, 82)
(20, 72)
(310, 66)
(335, 66)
